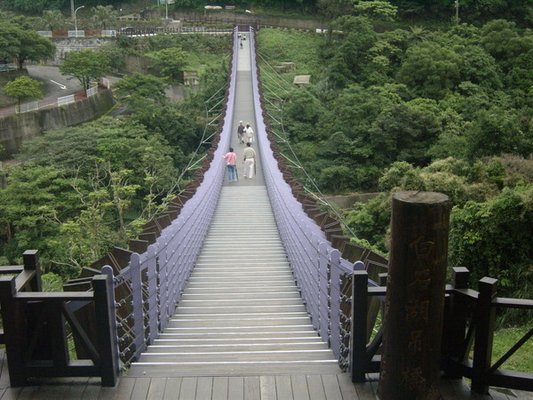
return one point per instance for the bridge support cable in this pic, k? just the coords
(278, 120)
(155, 279)
(317, 266)
(205, 137)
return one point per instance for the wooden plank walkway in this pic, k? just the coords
(288, 387)
(241, 313)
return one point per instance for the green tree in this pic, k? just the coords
(36, 6)
(23, 44)
(501, 39)
(86, 65)
(401, 175)
(370, 220)
(170, 62)
(404, 132)
(496, 131)
(24, 88)
(139, 88)
(349, 50)
(105, 174)
(382, 10)
(493, 238)
(104, 16)
(478, 67)
(387, 55)
(335, 178)
(54, 19)
(430, 70)
(334, 8)
(115, 56)
(32, 203)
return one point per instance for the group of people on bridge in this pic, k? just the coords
(245, 136)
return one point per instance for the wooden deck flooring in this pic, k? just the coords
(267, 387)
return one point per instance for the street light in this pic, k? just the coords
(76, 21)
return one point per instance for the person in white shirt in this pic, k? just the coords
(249, 161)
(248, 134)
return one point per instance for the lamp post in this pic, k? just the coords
(76, 21)
(166, 10)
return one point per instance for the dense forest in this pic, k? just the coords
(417, 108)
(74, 193)
(469, 10)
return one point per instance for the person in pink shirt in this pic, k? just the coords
(231, 165)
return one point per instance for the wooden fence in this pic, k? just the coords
(39, 327)
(469, 326)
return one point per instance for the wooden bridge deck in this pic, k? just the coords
(289, 387)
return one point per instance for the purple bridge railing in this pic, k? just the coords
(318, 268)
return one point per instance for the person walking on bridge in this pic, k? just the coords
(248, 133)
(249, 161)
(231, 165)
(240, 132)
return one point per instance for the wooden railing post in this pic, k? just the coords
(13, 331)
(104, 299)
(31, 263)
(456, 324)
(414, 304)
(485, 317)
(359, 325)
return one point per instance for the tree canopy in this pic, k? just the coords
(76, 192)
(445, 109)
(23, 44)
(24, 88)
(86, 65)
(170, 62)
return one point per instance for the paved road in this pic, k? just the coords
(48, 74)
(55, 85)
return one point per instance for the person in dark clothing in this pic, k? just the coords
(240, 132)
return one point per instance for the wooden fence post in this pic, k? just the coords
(454, 351)
(359, 325)
(485, 317)
(13, 331)
(414, 304)
(104, 306)
(31, 263)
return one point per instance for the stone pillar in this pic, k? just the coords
(415, 297)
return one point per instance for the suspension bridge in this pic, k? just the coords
(240, 295)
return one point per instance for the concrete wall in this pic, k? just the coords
(63, 46)
(137, 64)
(14, 129)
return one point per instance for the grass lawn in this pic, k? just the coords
(301, 48)
(504, 339)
